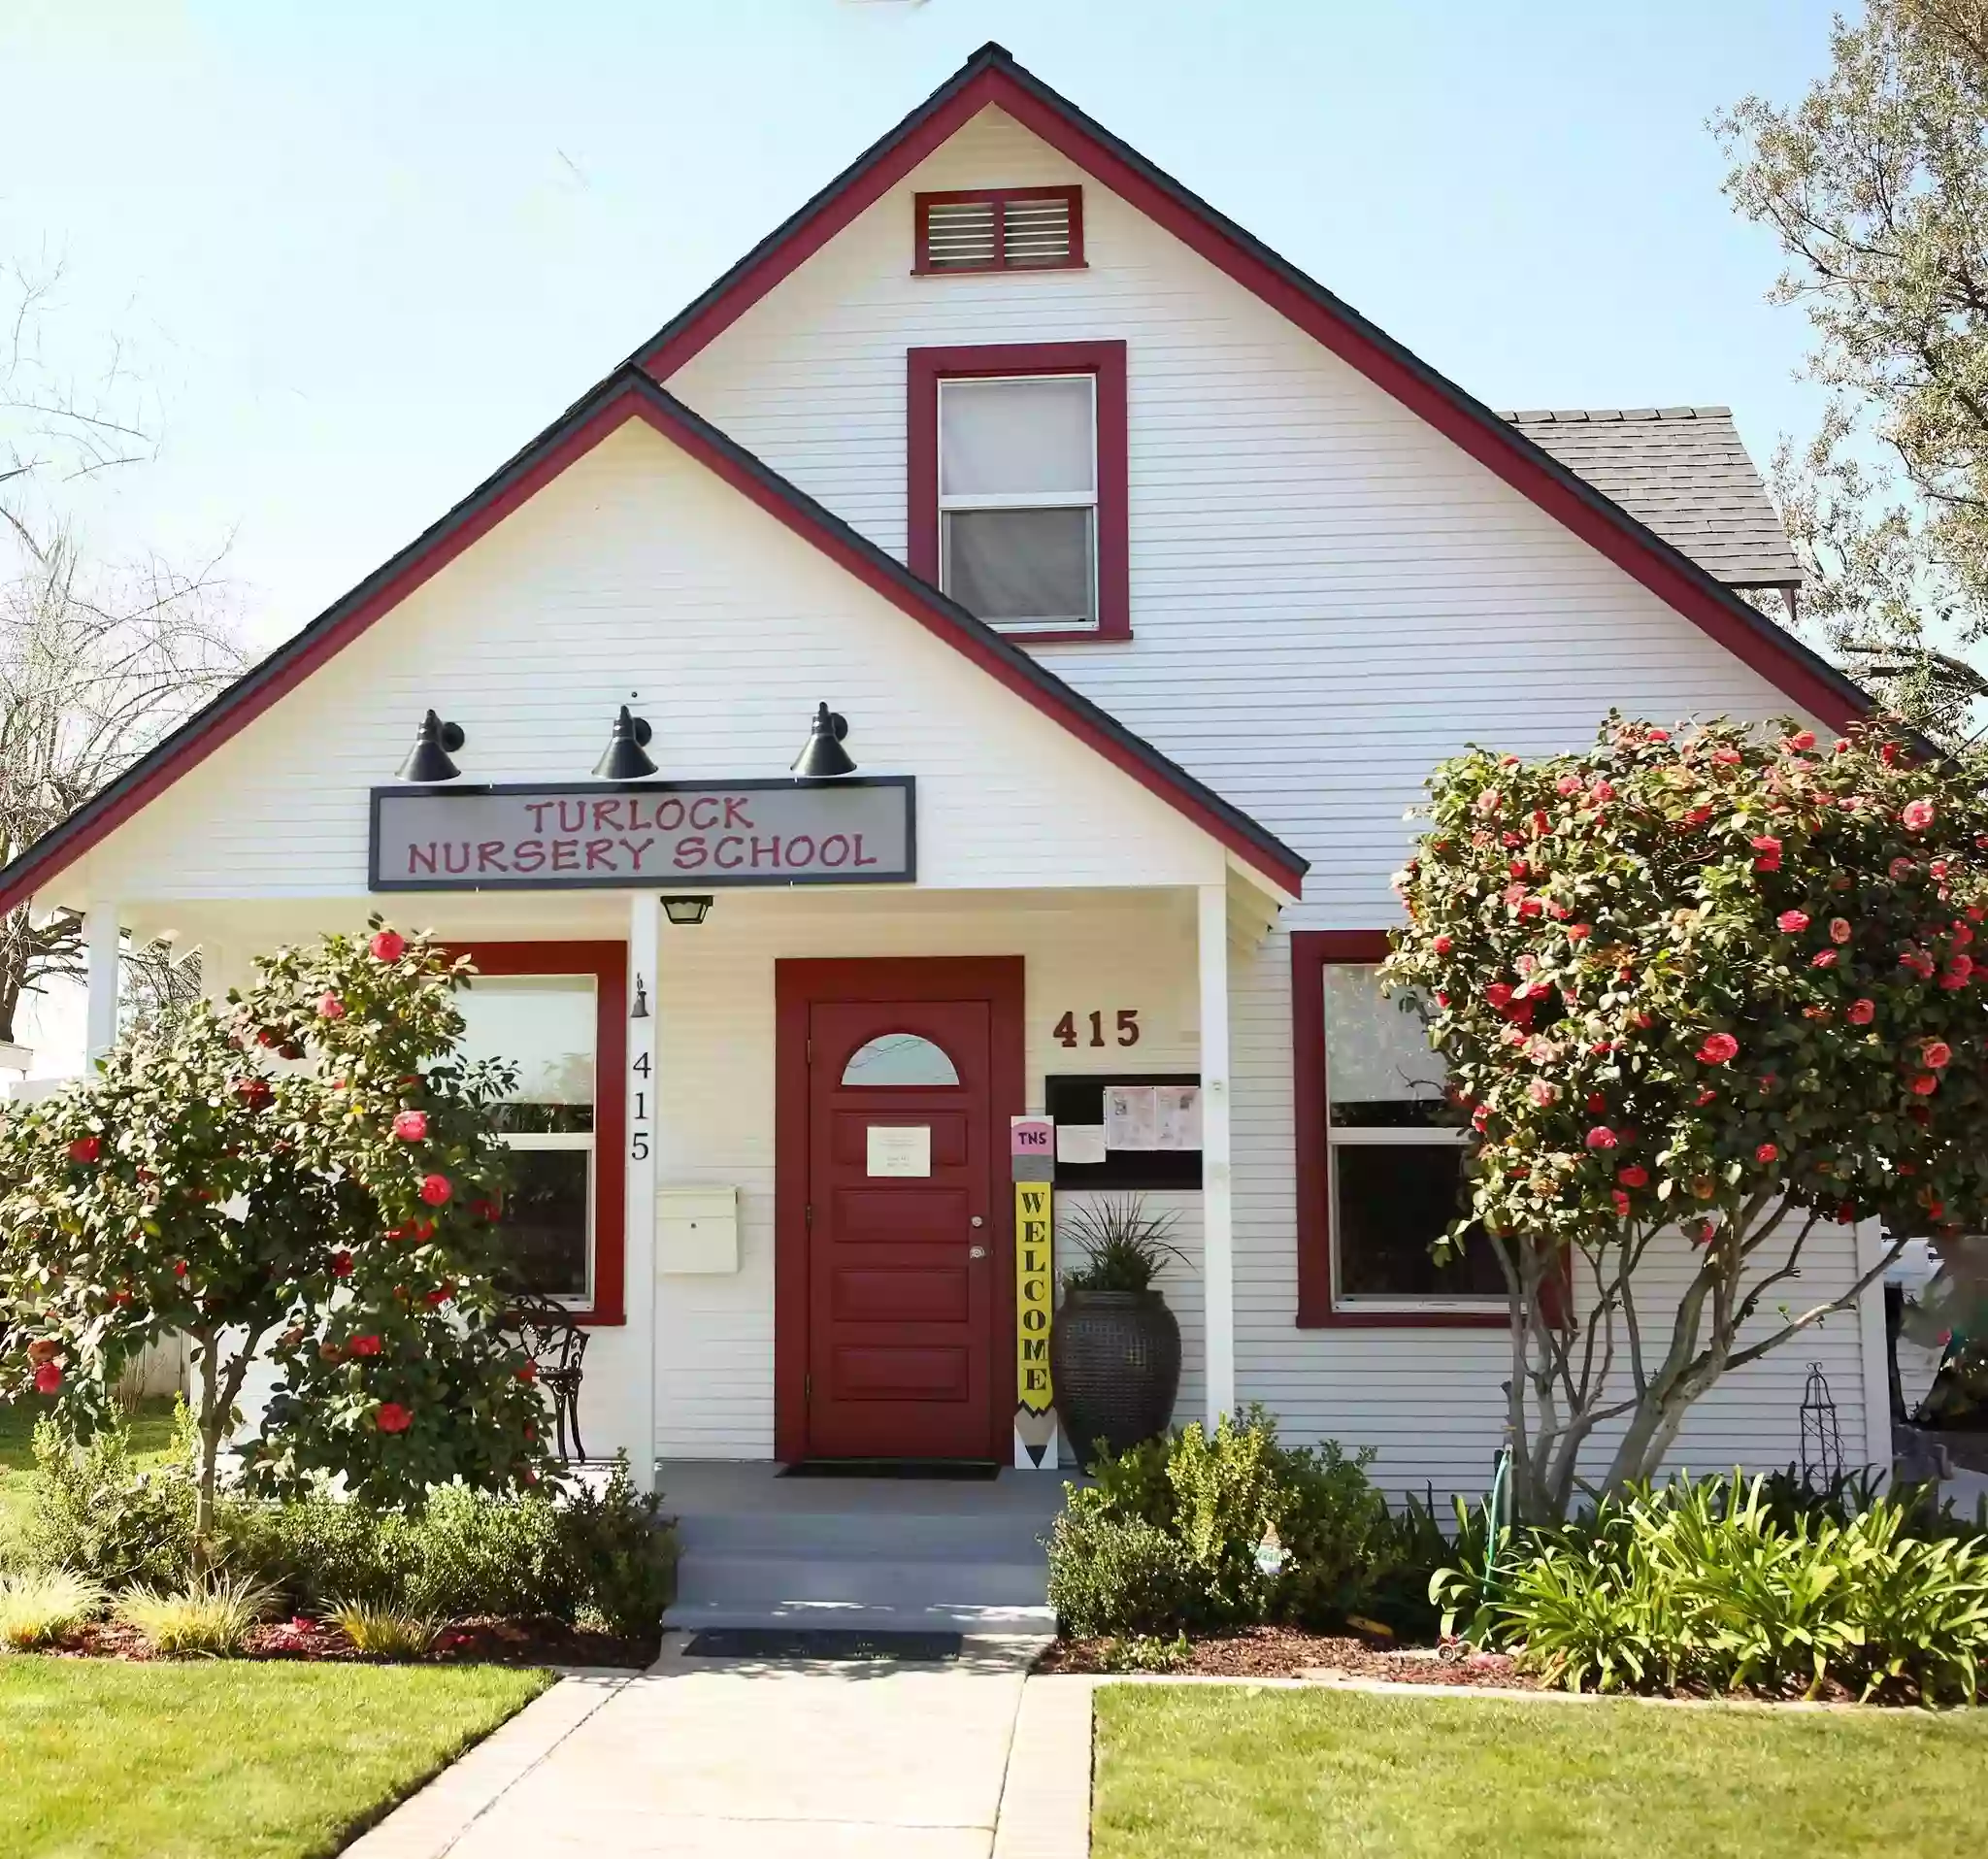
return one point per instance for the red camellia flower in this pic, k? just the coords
(179, 1268)
(330, 1008)
(1600, 1137)
(1916, 815)
(1839, 930)
(1578, 931)
(1704, 1098)
(389, 946)
(340, 1265)
(1925, 1084)
(1823, 958)
(440, 1294)
(1937, 1053)
(1530, 907)
(1718, 1048)
(1802, 739)
(1597, 1102)
(85, 1148)
(528, 1372)
(1443, 946)
(1726, 757)
(1634, 1176)
(1659, 734)
(1498, 994)
(47, 1379)
(1767, 1152)
(1621, 1201)
(1480, 1118)
(364, 1345)
(253, 1092)
(1792, 921)
(436, 1190)
(1960, 970)
(392, 1417)
(412, 1126)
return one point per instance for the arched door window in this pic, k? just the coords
(901, 1059)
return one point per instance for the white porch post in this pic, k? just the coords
(101, 944)
(639, 1285)
(1217, 1233)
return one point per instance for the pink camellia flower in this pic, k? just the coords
(1660, 735)
(392, 1417)
(1839, 930)
(436, 1190)
(1580, 932)
(1480, 1118)
(330, 1008)
(1442, 944)
(412, 1126)
(1601, 792)
(389, 946)
(1600, 1137)
(364, 1345)
(1541, 1092)
(1794, 922)
(1901, 868)
(1937, 1054)
(1488, 801)
(47, 1379)
(1860, 1012)
(1726, 757)
(340, 1265)
(1916, 815)
(85, 1148)
(1802, 739)
(1568, 784)
(1767, 1152)
(1925, 1084)
(1718, 1049)
(1823, 958)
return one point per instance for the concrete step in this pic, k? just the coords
(879, 1581)
(1035, 1621)
(856, 1534)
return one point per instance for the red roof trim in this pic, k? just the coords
(630, 394)
(992, 76)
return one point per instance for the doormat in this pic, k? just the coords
(843, 1646)
(953, 1471)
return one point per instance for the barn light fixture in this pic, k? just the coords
(687, 912)
(624, 760)
(435, 741)
(824, 756)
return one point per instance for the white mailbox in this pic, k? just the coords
(697, 1229)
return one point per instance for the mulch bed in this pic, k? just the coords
(491, 1642)
(1289, 1652)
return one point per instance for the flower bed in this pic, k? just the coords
(544, 1642)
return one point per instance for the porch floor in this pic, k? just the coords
(876, 1554)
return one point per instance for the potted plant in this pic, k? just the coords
(1114, 1348)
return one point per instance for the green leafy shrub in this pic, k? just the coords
(622, 1556)
(36, 1609)
(1255, 1530)
(93, 1511)
(383, 1633)
(207, 1617)
(1146, 1652)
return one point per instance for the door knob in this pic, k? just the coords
(977, 1221)
(977, 1251)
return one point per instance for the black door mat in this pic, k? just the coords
(951, 1470)
(806, 1642)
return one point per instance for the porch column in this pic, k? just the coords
(101, 944)
(1217, 1229)
(639, 1227)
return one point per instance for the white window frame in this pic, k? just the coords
(1022, 500)
(1361, 1135)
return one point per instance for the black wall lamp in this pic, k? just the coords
(624, 760)
(640, 1011)
(686, 913)
(824, 756)
(435, 741)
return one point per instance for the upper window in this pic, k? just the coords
(1000, 229)
(899, 1058)
(1018, 491)
(1380, 1157)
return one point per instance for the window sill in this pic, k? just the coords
(598, 1318)
(1068, 636)
(1363, 1317)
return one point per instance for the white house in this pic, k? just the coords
(1151, 579)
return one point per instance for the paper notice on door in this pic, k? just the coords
(1131, 1116)
(1179, 1116)
(900, 1149)
(1081, 1144)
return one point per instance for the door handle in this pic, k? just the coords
(977, 1221)
(977, 1251)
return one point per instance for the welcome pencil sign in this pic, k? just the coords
(1033, 1141)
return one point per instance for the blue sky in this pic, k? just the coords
(363, 253)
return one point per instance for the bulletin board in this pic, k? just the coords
(1079, 1097)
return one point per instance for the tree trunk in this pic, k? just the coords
(214, 1420)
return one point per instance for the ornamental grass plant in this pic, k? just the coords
(208, 1617)
(383, 1633)
(37, 1609)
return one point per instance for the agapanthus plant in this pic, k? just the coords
(1709, 987)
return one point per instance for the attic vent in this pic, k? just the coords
(1012, 229)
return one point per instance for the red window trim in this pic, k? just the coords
(1106, 360)
(607, 964)
(1311, 950)
(999, 197)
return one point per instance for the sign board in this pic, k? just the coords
(1034, 1415)
(572, 836)
(1031, 1138)
(902, 1151)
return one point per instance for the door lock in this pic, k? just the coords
(977, 1251)
(977, 1221)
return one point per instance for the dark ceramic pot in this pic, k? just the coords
(1115, 1358)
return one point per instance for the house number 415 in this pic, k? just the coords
(1125, 1026)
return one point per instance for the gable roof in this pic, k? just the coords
(992, 76)
(631, 394)
(1684, 473)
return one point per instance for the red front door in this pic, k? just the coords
(901, 1229)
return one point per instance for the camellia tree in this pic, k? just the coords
(309, 1179)
(1701, 988)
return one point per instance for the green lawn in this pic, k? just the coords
(1205, 1768)
(100, 1759)
(151, 1431)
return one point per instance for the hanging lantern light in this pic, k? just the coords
(435, 741)
(624, 759)
(823, 757)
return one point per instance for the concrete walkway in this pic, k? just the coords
(807, 1760)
